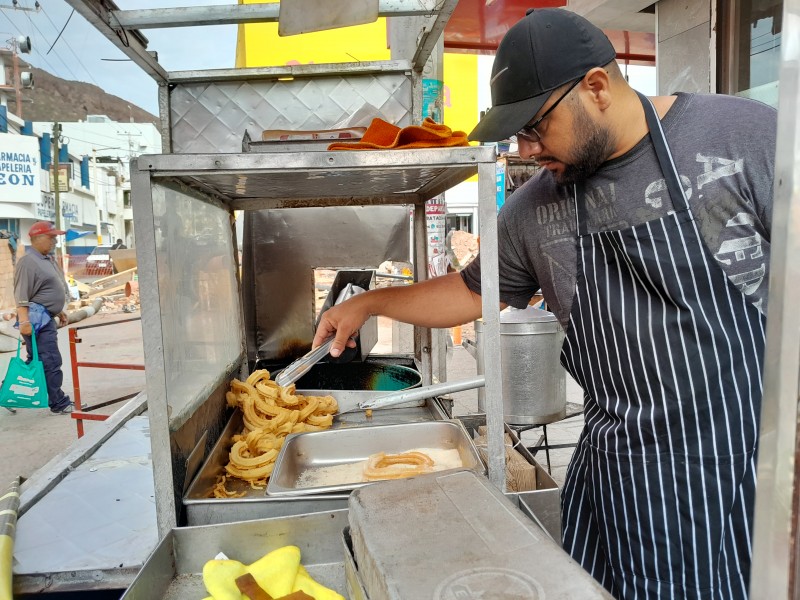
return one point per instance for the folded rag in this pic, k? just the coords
(38, 316)
(381, 135)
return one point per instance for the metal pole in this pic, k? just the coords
(56, 190)
(773, 572)
(17, 87)
(76, 384)
(96, 188)
(490, 299)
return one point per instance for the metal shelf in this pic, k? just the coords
(322, 178)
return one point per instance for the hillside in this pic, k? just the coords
(56, 99)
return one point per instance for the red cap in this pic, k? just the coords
(44, 228)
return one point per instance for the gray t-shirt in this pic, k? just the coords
(724, 151)
(38, 279)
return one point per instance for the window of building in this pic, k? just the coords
(458, 222)
(11, 225)
(749, 48)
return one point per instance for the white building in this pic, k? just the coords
(109, 147)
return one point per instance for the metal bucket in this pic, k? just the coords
(534, 382)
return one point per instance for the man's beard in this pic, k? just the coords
(593, 147)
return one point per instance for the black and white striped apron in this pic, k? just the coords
(658, 499)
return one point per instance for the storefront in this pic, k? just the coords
(749, 48)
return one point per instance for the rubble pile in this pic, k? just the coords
(463, 247)
(119, 293)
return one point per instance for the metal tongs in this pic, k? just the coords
(414, 394)
(303, 365)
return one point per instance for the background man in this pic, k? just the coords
(647, 231)
(41, 293)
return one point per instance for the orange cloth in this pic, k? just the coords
(381, 135)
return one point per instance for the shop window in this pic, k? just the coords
(458, 223)
(749, 48)
(11, 225)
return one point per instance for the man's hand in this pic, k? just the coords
(25, 328)
(62, 319)
(342, 320)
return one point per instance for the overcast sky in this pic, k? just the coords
(82, 53)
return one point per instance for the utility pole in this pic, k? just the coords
(17, 86)
(21, 79)
(129, 135)
(56, 187)
(96, 188)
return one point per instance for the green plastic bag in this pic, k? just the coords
(24, 385)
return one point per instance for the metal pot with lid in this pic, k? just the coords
(534, 382)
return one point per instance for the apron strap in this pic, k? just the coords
(664, 155)
(665, 161)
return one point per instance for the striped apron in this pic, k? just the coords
(658, 498)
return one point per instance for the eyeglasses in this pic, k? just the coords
(529, 133)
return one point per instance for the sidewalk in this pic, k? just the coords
(30, 438)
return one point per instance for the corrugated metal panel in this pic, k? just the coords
(213, 117)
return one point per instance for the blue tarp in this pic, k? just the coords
(74, 234)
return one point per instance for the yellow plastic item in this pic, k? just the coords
(305, 583)
(276, 571)
(219, 577)
(6, 552)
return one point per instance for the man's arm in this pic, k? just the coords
(25, 327)
(440, 302)
(22, 285)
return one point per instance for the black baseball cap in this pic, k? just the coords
(548, 48)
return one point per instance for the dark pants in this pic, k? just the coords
(47, 345)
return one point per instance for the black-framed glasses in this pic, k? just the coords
(529, 133)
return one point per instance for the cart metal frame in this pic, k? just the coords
(775, 538)
(416, 27)
(776, 543)
(206, 179)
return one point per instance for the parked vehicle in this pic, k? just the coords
(99, 261)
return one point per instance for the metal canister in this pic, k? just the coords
(534, 382)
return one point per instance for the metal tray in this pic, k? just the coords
(204, 510)
(543, 504)
(305, 451)
(174, 569)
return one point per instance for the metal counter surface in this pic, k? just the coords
(98, 525)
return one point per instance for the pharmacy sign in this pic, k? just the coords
(20, 170)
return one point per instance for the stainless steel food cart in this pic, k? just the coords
(194, 304)
(191, 359)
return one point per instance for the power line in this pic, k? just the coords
(88, 72)
(58, 37)
(19, 30)
(35, 48)
(45, 40)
